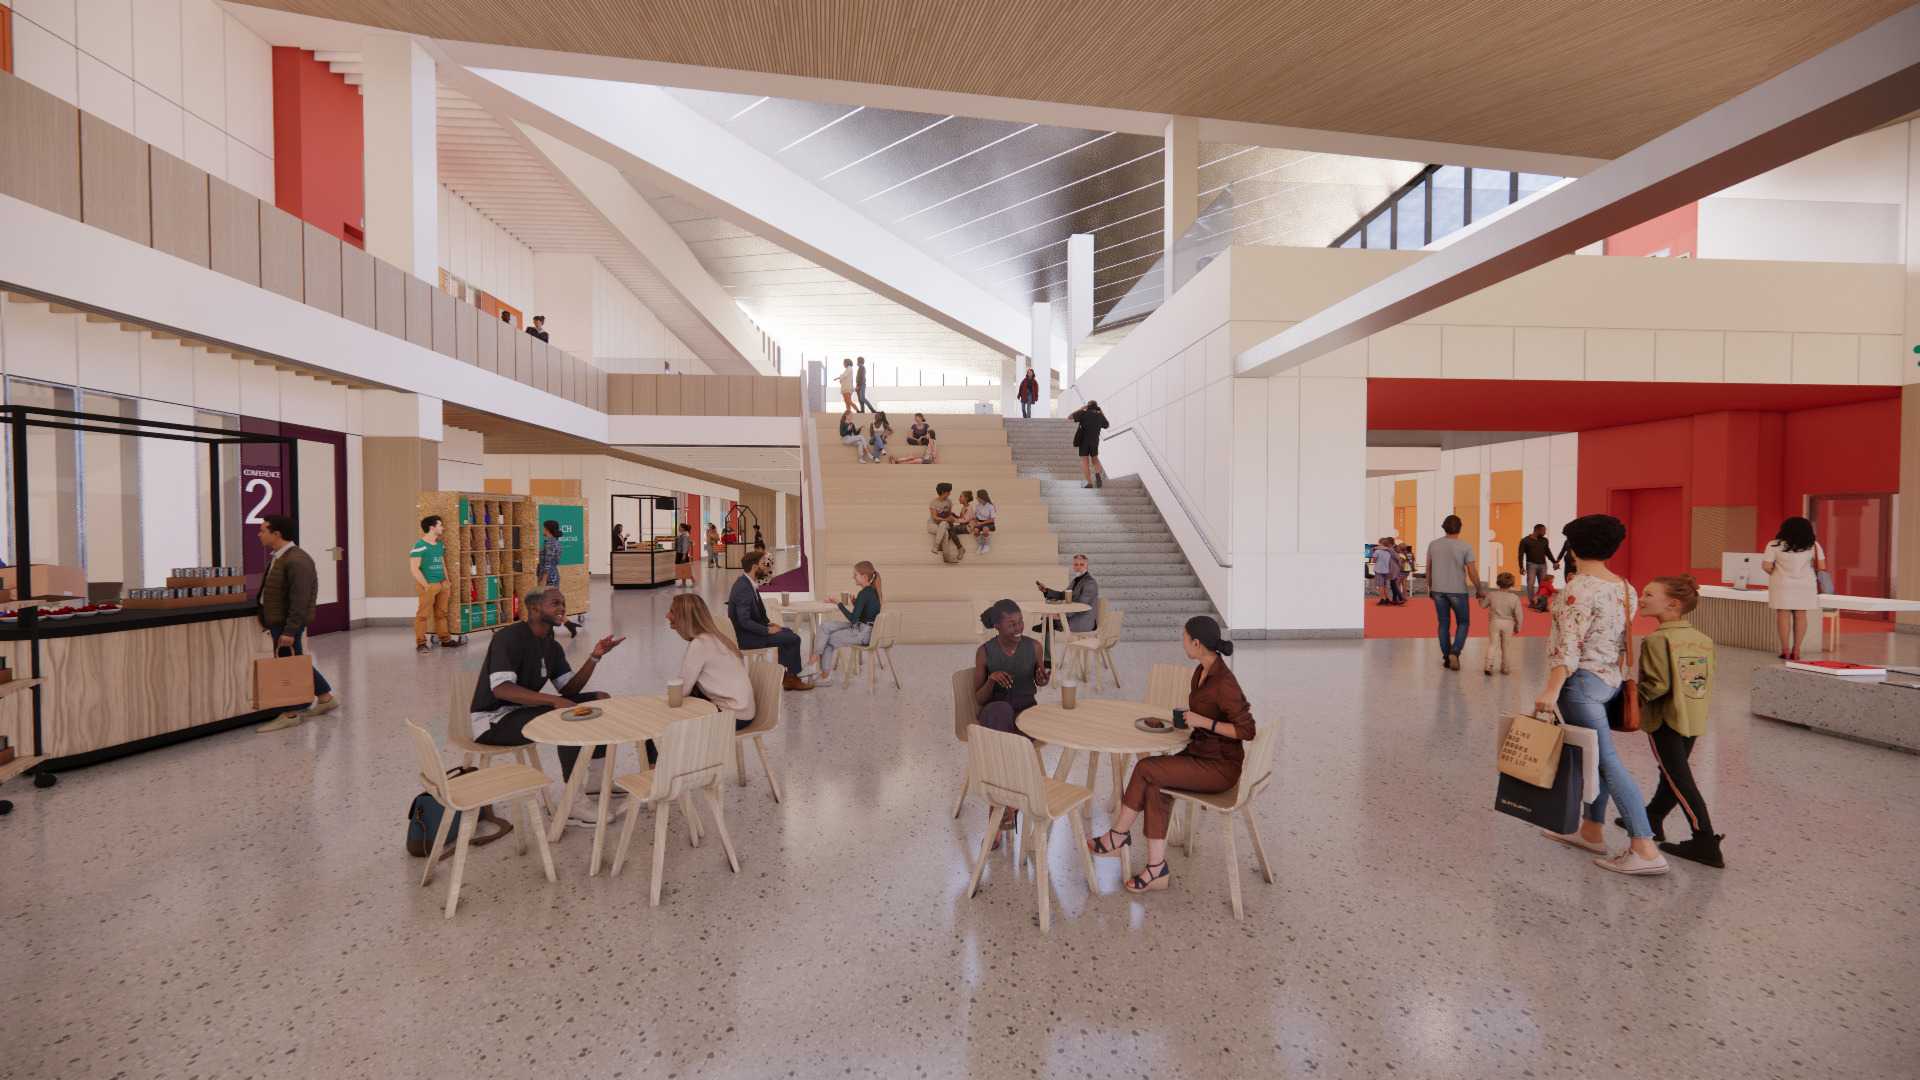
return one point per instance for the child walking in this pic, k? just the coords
(1504, 606)
(1676, 686)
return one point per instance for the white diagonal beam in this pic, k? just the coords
(649, 133)
(1866, 80)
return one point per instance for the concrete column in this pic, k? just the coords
(1079, 299)
(402, 164)
(1183, 178)
(1043, 358)
(1012, 370)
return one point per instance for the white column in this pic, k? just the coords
(402, 166)
(1012, 370)
(1043, 358)
(1079, 299)
(780, 540)
(1183, 178)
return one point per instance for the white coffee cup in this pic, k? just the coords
(676, 693)
(1069, 693)
(786, 598)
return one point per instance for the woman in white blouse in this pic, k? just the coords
(712, 667)
(1587, 654)
(1793, 560)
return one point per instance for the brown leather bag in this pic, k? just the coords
(1623, 713)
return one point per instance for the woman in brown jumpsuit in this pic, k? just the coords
(1220, 719)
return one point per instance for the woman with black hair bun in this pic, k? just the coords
(1220, 720)
(1793, 561)
(1007, 675)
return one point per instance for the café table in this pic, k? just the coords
(814, 610)
(622, 720)
(1047, 610)
(1100, 726)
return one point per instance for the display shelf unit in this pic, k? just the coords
(492, 546)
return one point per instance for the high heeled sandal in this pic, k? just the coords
(1099, 845)
(1148, 881)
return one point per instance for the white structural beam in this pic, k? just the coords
(1181, 207)
(1015, 110)
(402, 159)
(654, 136)
(1864, 81)
(1079, 298)
(1043, 357)
(602, 187)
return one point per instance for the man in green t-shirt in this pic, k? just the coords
(428, 562)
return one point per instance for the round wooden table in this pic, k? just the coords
(1100, 726)
(1047, 610)
(621, 720)
(814, 610)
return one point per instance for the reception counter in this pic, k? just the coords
(1741, 618)
(641, 568)
(127, 681)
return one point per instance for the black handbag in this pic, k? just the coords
(423, 819)
(1556, 808)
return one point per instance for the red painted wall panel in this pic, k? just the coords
(318, 168)
(1844, 450)
(6, 38)
(1676, 233)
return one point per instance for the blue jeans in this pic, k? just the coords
(299, 642)
(839, 635)
(1583, 702)
(1455, 604)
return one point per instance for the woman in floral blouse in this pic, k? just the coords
(1587, 654)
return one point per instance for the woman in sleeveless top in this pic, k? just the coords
(1007, 673)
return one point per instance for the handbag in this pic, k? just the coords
(1530, 749)
(1555, 807)
(282, 680)
(1623, 712)
(423, 819)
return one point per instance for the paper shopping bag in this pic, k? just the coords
(280, 681)
(1530, 749)
(1555, 808)
(683, 571)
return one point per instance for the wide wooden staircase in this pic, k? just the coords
(879, 513)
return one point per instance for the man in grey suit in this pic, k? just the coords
(1081, 589)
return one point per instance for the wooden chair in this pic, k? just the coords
(460, 732)
(964, 712)
(1087, 653)
(466, 794)
(766, 679)
(770, 654)
(1006, 768)
(886, 631)
(1256, 772)
(1166, 687)
(693, 755)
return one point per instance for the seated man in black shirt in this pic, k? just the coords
(522, 662)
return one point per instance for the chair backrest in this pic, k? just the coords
(1168, 684)
(964, 710)
(766, 680)
(886, 630)
(433, 771)
(460, 686)
(1257, 765)
(693, 753)
(725, 625)
(1111, 619)
(1006, 769)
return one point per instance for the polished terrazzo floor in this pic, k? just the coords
(242, 906)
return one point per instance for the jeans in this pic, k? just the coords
(1455, 604)
(1026, 410)
(1583, 702)
(320, 685)
(865, 405)
(1534, 571)
(839, 635)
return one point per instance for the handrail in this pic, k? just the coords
(1199, 523)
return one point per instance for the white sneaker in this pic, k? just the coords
(1574, 839)
(1627, 862)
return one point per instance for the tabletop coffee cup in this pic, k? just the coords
(1180, 718)
(676, 693)
(1069, 693)
(786, 598)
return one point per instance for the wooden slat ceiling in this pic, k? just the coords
(1564, 76)
(503, 435)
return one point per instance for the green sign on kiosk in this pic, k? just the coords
(573, 531)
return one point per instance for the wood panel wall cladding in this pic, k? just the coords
(702, 395)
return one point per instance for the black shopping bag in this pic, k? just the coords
(1556, 808)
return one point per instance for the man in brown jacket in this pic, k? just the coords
(288, 591)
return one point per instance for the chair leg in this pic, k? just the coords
(439, 843)
(693, 818)
(660, 811)
(468, 821)
(1093, 781)
(530, 754)
(1040, 875)
(1086, 857)
(739, 764)
(626, 835)
(720, 826)
(891, 670)
(540, 838)
(1192, 819)
(1233, 864)
(986, 846)
(966, 781)
(1259, 849)
(1120, 763)
(1112, 668)
(773, 781)
(521, 806)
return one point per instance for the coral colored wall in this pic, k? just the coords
(1768, 460)
(318, 168)
(1677, 232)
(6, 38)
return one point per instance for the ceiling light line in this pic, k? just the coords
(1109, 266)
(1072, 183)
(746, 110)
(1051, 220)
(950, 161)
(1004, 176)
(885, 148)
(1029, 273)
(821, 128)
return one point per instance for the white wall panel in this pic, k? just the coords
(259, 392)
(1194, 470)
(156, 47)
(1879, 360)
(1347, 361)
(109, 357)
(1759, 357)
(206, 147)
(57, 16)
(203, 60)
(166, 374)
(1689, 356)
(42, 345)
(249, 170)
(1549, 352)
(1476, 352)
(1219, 359)
(45, 60)
(216, 381)
(1405, 352)
(1536, 482)
(159, 121)
(105, 92)
(1620, 355)
(1216, 456)
(1246, 475)
(1283, 470)
(104, 29)
(1826, 358)
(249, 87)
(355, 537)
(169, 503)
(1315, 591)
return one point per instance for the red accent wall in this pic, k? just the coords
(6, 38)
(1677, 232)
(690, 513)
(1653, 474)
(318, 170)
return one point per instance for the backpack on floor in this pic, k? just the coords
(423, 819)
(950, 549)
